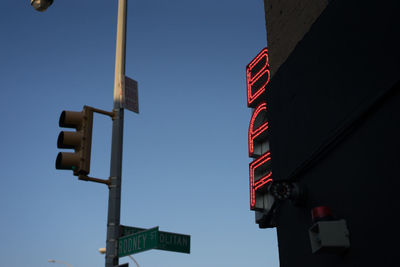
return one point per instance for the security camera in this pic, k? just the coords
(283, 190)
(41, 5)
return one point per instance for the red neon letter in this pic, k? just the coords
(254, 133)
(263, 180)
(257, 76)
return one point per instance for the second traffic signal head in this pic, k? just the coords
(79, 140)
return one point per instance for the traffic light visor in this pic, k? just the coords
(71, 119)
(67, 161)
(69, 140)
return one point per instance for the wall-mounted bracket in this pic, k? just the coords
(96, 180)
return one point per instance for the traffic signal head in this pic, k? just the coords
(80, 140)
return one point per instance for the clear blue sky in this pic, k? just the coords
(185, 164)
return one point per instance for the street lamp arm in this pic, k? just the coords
(137, 264)
(63, 262)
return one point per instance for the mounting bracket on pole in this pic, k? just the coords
(92, 179)
(108, 113)
(96, 180)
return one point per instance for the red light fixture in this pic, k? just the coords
(321, 213)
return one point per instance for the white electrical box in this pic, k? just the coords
(329, 236)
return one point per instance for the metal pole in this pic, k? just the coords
(114, 199)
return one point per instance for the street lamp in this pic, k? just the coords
(41, 5)
(103, 251)
(62, 262)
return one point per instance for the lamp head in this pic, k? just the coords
(41, 5)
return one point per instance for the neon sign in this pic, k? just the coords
(260, 130)
(260, 174)
(257, 76)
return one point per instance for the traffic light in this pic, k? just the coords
(79, 140)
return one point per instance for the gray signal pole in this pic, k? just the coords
(114, 199)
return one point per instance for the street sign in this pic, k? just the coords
(138, 242)
(130, 98)
(174, 242)
(166, 240)
(128, 230)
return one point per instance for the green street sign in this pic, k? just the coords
(174, 242)
(138, 242)
(128, 230)
(166, 240)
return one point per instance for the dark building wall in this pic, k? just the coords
(358, 179)
(287, 21)
(341, 66)
(334, 111)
